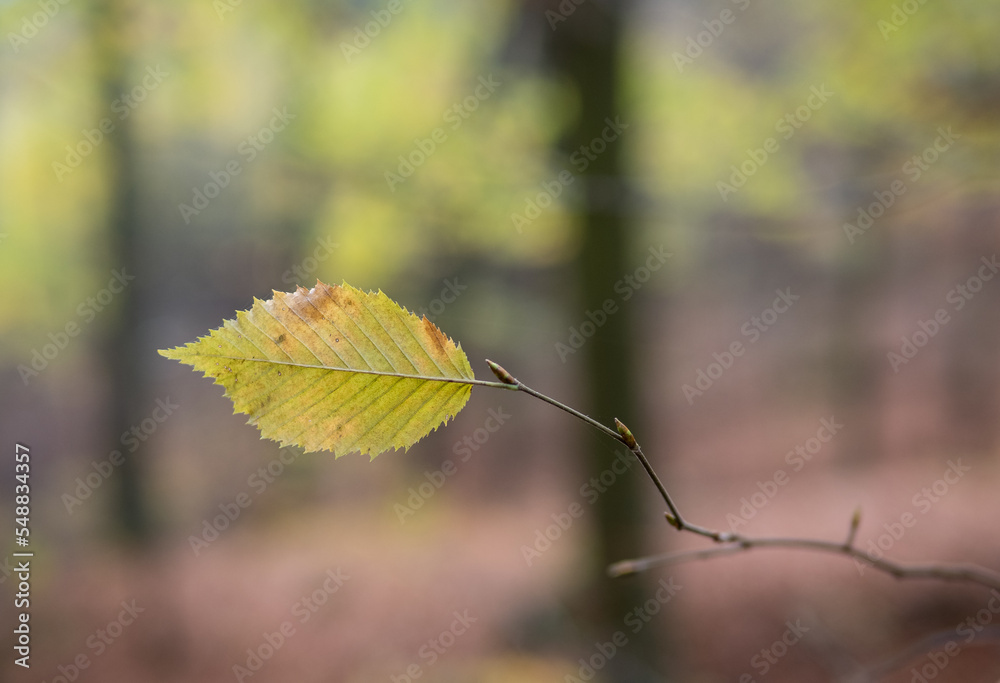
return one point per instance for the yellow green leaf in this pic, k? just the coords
(334, 368)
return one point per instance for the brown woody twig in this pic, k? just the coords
(732, 543)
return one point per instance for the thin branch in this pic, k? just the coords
(674, 516)
(508, 381)
(678, 521)
(623, 435)
(732, 543)
(969, 573)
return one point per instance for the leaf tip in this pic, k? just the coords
(172, 354)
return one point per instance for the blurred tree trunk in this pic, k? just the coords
(856, 360)
(585, 46)
(128, 401)
(970, 340)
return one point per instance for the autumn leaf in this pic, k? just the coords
(334, 368)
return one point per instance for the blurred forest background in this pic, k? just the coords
(723, 222)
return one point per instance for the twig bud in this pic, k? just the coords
(852, 532)
(623, 568)
(626, 435)
(501, 374)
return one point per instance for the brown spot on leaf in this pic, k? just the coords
(281, 338)
(303, 307)
(343, 298)
(436, 336)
